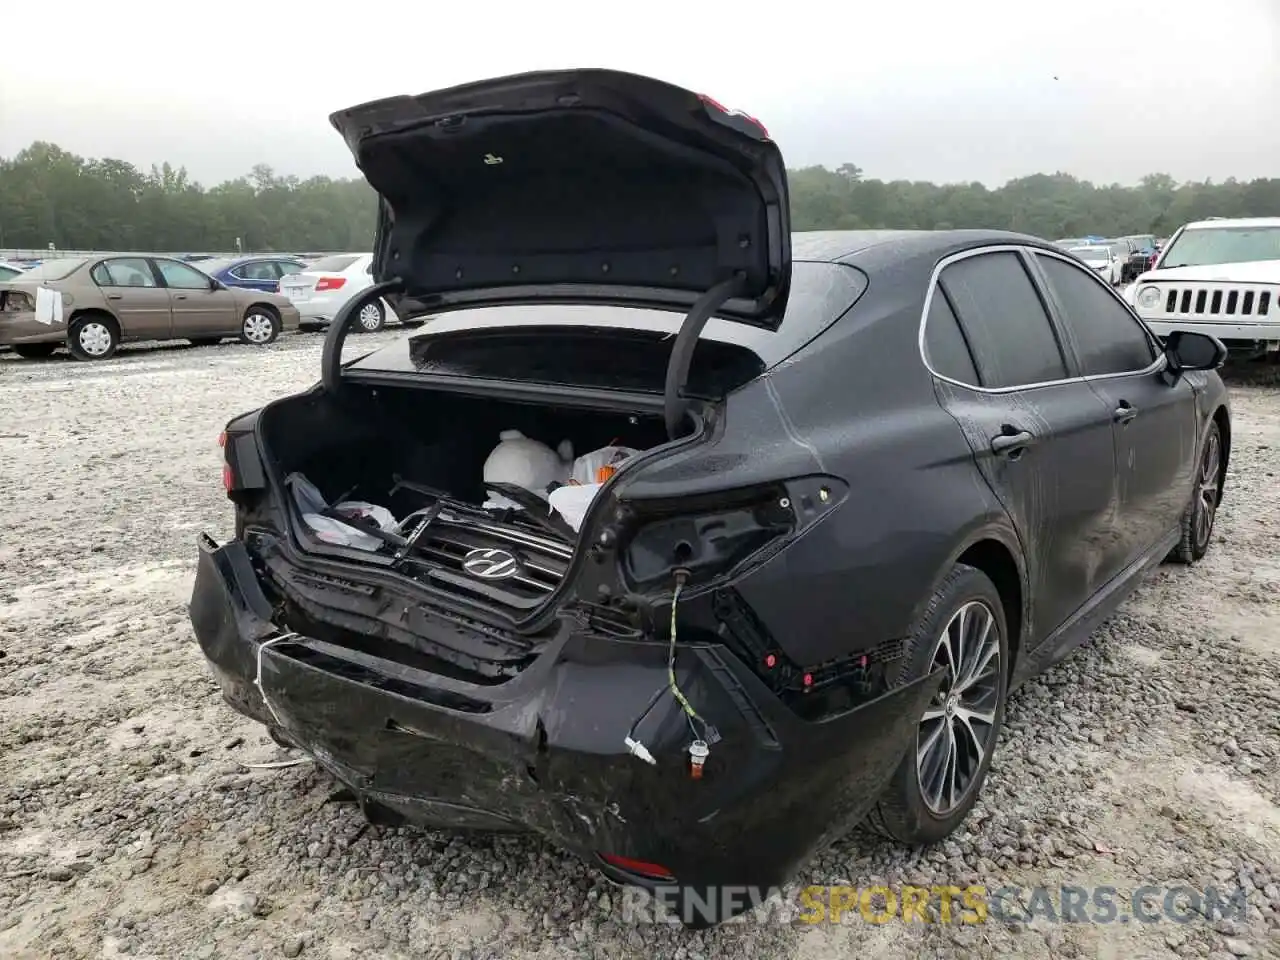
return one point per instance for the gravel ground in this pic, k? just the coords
(128, 824)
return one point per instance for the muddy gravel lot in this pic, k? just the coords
(130, 825)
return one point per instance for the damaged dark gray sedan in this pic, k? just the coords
(680, 540)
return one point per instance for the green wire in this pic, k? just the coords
(671, 666)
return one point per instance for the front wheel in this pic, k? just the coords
(261, 326)
(962, 632)
(1206, 496)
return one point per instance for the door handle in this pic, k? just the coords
(1125, 412)
(115, 296)
(179, 296)
(1011, 444)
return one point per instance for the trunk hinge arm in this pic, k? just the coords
(331, 358)
(674, 404)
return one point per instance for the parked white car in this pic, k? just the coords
(1220, 277)
(1103, 258)
(320, 291)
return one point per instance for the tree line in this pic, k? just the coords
(50, 195)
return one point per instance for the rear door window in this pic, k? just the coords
(1004, 321)
(1107, 337)
(124, 272)
(944, 344)
(256, 270)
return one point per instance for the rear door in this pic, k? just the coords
(199, 310)
(1154, 421)
(136, 297)
(1041, 437)
(258, 275)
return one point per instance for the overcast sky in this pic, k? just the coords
(943, 90)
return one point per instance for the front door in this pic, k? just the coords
(1153, 415)
(201, 308)
(136, 298)
(1041, 438)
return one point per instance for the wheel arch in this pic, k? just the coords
(262, 305)
(98, 313)
(995, 551)
(1223, 420)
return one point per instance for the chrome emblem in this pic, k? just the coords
(490, 564)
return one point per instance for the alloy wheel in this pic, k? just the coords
(958, 728)
(258, 328)
(1207, 490)
(94, 339)
(371, 317)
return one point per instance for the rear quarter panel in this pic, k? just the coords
(856, 404)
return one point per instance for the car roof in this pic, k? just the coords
(874, 249)
(867, 250)
(249, 258)
(1234, 222)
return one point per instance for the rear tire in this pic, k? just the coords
(938, 781)
(93, 336)
(35, 351)
(260, 326)
(1206, 497)
(373, 317)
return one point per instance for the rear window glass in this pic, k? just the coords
(54, 269)
(334, 264)
(820, 294)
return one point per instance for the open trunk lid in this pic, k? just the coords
(575, 186)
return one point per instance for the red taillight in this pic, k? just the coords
(228, 476)
(709, 101)
(639, 867)
(330, 283)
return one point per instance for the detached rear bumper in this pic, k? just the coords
(545, 751)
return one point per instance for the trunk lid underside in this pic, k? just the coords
(588, 186)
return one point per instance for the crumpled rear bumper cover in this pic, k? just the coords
(545, 752)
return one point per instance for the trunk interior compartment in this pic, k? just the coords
(421, 456)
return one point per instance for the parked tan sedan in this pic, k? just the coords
(92, 304)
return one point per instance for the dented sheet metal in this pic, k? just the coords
(544, 752)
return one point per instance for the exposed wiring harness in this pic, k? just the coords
(257, 677)
(698, 749)
(690, 714)
(262, 692)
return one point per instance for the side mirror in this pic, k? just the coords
(1194, 351)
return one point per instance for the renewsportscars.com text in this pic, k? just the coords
(906, 903)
